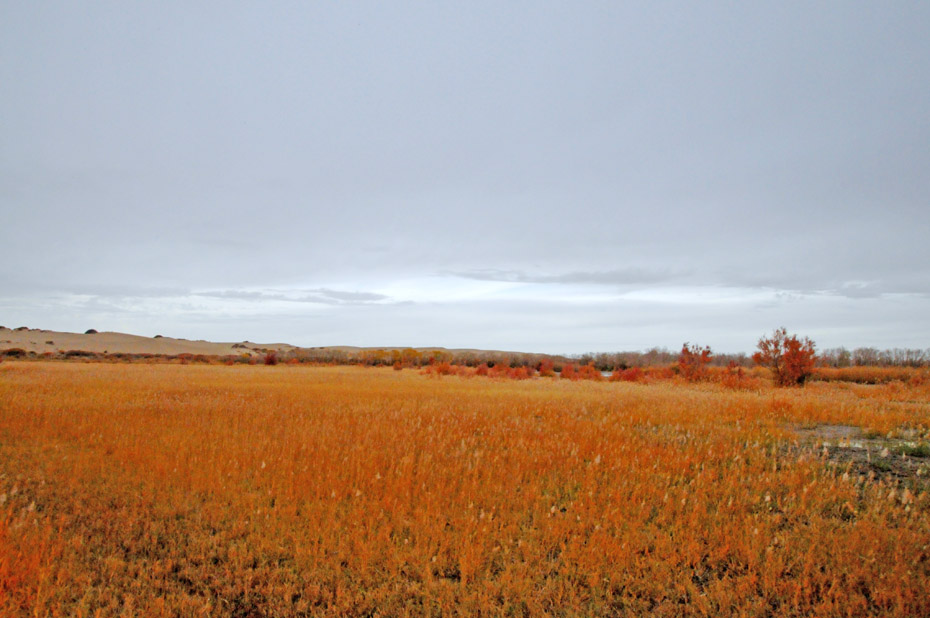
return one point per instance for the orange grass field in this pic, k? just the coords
(169, 490)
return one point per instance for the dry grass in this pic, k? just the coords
(872, 375)
(251, 490)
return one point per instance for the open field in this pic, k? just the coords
(291, 490)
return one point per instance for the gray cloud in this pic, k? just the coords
(286, 153)
(125, 291)
(321, 296)
(348, 297)
(630, 276)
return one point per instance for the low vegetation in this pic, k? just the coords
(165, 490)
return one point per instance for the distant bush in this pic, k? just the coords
(790, 359)
(499, 370)
(14, 352)
(658, 373)
(735, 377)
(632, 374)
(157, 337)
(520, 373)
(445, 368)
(78, 353)
(590, 372)
(546, 368)
(692, 362)
(90, 331)
(21, 328)
(271, 358)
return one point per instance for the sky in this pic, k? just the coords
(560, 177)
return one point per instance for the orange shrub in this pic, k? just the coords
(546, 368)
(520, 373)
(692, 362)
(790, 359)
(589, 372)
(632, 374)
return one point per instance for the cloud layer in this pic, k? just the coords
(553, 177)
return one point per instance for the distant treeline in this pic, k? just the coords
(873, 357)
(409, 357)
(832, 357)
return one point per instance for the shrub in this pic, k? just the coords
(590, 372)
(692, 362)
(633, 374)
(498, 370)
(790, 359)
(439, 369)
(90, 331)
(78, 354)
(546, 368)
(14, 352)
(659, 373)
(271, 358)
(732, 376)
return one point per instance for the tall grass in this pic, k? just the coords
(285, 490)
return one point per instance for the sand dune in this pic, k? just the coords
(36, 340)
(39, 341)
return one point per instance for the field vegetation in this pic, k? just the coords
(283, 489)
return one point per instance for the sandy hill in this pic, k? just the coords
(39, 341)
(35, 340)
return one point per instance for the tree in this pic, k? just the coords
(692, 362)
(790, 359)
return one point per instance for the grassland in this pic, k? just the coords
(165, 490)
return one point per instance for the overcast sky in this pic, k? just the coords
(537, 176)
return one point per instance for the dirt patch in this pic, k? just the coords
(829, 432)
(847, 448)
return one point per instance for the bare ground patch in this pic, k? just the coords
(848, 449)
